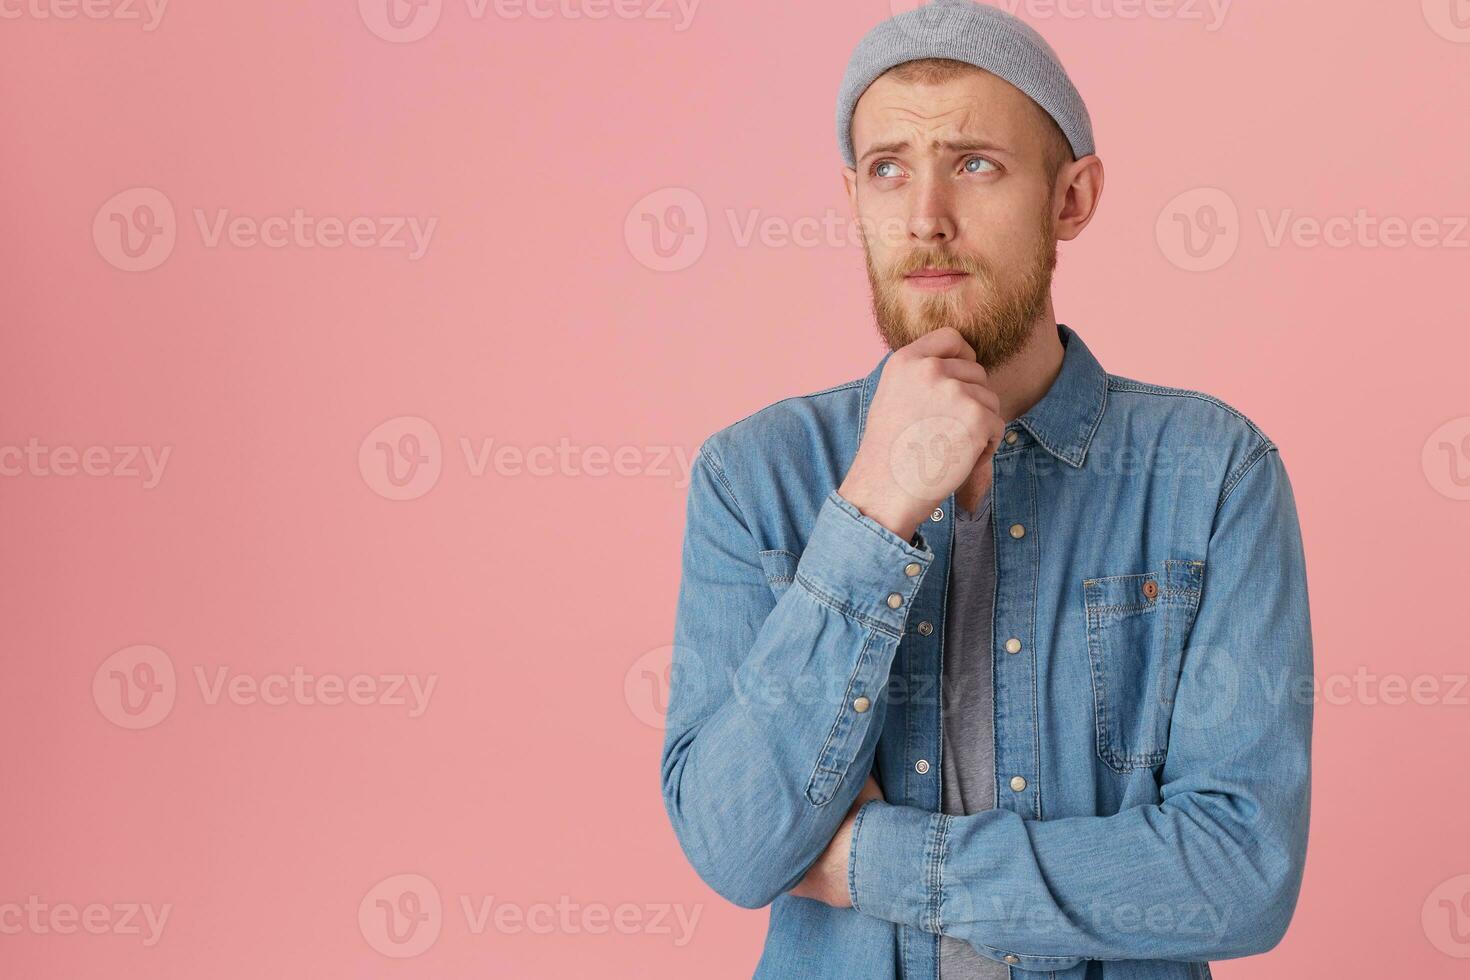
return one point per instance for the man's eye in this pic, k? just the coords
(878, 169)
(978, 165)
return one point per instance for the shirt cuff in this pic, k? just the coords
(862, 568)
(893, 863)
(895, 872)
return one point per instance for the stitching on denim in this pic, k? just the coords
(940, 830)
(1174, 663)
(1101, 719)
(708, 452)
(845, 608)
(1096, 423)
(1234, 479)
(1101, 616)
(1119, 383)
(873, 527)
(1031, 638)
(939, 623)
(1121, 608)
(1118, 578)
(828, 747)
(852, 865)
(1116, 759)
(777, 578)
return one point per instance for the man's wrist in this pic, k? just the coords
(902, 520)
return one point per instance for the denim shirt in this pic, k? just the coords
(1152, 666)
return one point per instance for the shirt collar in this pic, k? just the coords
(1064, 420)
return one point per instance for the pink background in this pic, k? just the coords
(543, 314)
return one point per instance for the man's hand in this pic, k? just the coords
(933, 420)
(826, 879)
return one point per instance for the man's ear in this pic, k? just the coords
(1080, 185)
(849, 181)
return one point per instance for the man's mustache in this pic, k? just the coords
(938, 260)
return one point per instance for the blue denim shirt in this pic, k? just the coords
(1152, 668)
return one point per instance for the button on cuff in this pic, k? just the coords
(860, 567)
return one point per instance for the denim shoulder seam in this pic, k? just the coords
(706, 451)
(1120, 383)
(1256, 455)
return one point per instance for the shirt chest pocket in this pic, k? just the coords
(1136, 628)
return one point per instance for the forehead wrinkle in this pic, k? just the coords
(959, 122)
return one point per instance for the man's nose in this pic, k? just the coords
(932, 218)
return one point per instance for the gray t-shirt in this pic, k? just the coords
(968, 763)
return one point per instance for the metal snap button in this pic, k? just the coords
(861, 704)
(925, 628)
(894, 600)
(1011, 438)
(1018, 783)
(1013, 645)
(912, 568)
(922, 766)
(938, 514)
(1017, 530)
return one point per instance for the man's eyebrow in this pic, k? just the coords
(954, 146)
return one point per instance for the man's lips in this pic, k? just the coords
(932, 278)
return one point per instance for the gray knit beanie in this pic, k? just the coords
(984, 36)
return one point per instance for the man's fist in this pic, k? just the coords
(933, 420)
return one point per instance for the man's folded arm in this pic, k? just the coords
(776, 705)
(1210, 872)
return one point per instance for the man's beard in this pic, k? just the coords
(998, 326)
